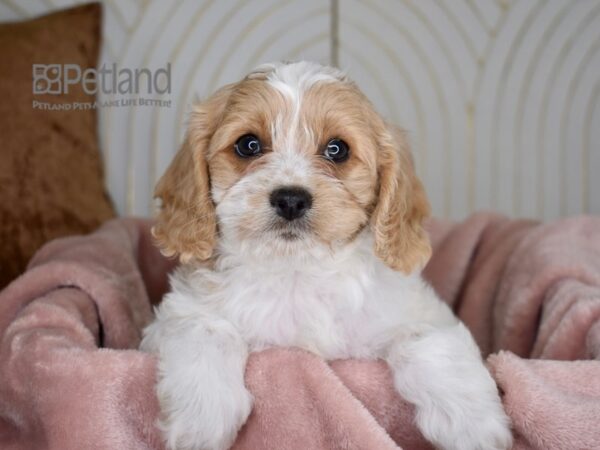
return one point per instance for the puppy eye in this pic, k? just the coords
(336, 151)
(248, 145)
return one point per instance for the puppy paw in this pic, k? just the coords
(456, 398)
(207, 419)
(481, 427)
(493, 432)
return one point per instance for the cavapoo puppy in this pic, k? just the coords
(298, 219)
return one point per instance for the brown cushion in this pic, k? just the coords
(51, 181)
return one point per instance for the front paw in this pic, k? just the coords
(208, 418)
(467, 431)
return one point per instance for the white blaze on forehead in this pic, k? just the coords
(292, 80)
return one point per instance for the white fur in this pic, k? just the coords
(292, 81)
(344, 304)
(336, 300)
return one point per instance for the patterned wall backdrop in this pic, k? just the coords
(501, 98)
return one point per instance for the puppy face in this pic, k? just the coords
(290, 159)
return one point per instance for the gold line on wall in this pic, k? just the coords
(119, 15)
(243, 34)
(387, 95)
(296, 51)
(477, 13)
(438, 38)
(153, 154)
(173, 56)
(129, 194)
(524, 94)
(393, 56)
(416, 101)
(517, 172)
(585, 160)
(269, 40)
(573, 84)
(470, 149)
(15, 7)
(482, 63)
(542, 103)
(461, 31)
(131, 114)
(503, 4)
(141, 13)
(181, 102)
(498, 97)
(563, 117)
(51, 6)
(334, 59)
(184, 96)
(542, 119)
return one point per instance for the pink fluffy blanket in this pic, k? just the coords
(71, 377)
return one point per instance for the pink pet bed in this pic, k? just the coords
(71, 377)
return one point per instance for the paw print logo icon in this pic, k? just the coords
(47, 79)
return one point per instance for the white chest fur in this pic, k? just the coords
(337, 306)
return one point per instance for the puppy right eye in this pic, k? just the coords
(247, 146)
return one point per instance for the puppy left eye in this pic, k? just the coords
(336, 151)
(248, 145)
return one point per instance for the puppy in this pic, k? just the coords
(298, 219)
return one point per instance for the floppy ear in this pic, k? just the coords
(402, 206)
(186, 223)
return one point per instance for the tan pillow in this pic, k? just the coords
(51, 181)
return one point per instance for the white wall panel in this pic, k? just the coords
(500, 98)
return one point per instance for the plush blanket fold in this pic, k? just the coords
(71, 377)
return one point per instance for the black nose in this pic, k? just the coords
(291, 202)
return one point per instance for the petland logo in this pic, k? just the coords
(58, 79)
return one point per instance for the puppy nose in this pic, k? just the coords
(291, 202)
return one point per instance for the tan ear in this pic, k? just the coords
(186, 223)
(402, 206)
